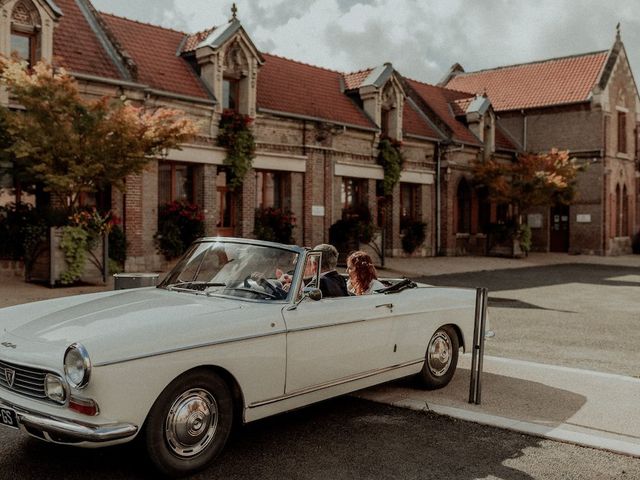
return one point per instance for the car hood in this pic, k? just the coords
(109, 324)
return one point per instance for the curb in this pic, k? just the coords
(559, 434)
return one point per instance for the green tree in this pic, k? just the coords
(73, 145)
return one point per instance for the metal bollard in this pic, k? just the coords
(477, 350)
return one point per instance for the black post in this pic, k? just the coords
(477, 350)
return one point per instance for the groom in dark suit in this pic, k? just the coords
(332, 284)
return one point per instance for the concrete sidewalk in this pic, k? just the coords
(418, 267)
(583, 407)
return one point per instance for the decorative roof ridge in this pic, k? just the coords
(146, 24)
(533, 62)
(299, 62)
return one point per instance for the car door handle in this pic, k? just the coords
(388, 305)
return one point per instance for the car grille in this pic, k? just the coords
(27, 381)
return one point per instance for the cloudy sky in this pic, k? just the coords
(422, 38)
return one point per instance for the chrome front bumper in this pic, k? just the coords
(60, 430)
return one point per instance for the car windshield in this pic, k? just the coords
(259, 272)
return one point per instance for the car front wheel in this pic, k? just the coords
(441, 359)
(189, 423)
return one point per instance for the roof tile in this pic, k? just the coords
(551, 82)
(288, 86)
(352, 81)
(154, 50)
(439, 100)
(414, 124)
(76, 47)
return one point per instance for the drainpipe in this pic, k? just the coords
(441, 148)
(524, 130)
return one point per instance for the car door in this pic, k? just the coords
(335, 339)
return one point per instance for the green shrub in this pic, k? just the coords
(274, 225)
(179, 224)
(117, 246)
(391, 158)
(236, 137)
(524, 236)
(24, 231)
(414, 235)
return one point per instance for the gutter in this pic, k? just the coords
(316, 119)
(142, 87)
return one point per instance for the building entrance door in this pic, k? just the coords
(559, 241)
(226, 212)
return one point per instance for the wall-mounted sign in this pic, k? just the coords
(583, 218)
(534, 220)
(317, 210)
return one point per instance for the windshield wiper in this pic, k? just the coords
(194, 285)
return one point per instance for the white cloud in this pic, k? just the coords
(421, 38)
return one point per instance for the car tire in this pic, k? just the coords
(441, 359)
(189, 423)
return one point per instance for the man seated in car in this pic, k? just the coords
(332, 284)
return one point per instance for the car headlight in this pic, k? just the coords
(77, 366)
(54, 388)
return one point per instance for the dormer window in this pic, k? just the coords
(25, 32)
(385, 120)
(230, 94)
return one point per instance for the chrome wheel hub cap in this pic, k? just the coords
(191, 422)
(439, 354)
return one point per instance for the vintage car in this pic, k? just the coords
(221, 340)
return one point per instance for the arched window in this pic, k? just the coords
(25, 32)
(463, 197)
(235, 82)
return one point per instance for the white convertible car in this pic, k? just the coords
(220, 340)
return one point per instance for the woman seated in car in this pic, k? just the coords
(363, 278)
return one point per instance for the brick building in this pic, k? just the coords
(589, 105)
(317, 130)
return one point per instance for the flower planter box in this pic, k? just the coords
(50, 263)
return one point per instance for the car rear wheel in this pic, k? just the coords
(441, 359)
(189, 423)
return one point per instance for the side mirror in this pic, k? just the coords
(313, 293)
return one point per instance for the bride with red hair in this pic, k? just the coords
(363, 278)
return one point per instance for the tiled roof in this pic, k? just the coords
(503, 141)
(292, 87)
(75, 46)
(438, 99)
(154, 49)
(556, 81)
(414, 124)
(192, 41)
(353, 80)
(460, 106)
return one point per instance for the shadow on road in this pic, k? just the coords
(341, 438)
(531, 277)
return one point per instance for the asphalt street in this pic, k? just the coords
(345, 438)
(574, 315)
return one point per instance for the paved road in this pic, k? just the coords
(575, 315)
(345, 438)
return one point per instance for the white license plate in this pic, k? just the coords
(8, 417)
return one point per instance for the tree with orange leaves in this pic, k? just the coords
(542, 179)
(72, 145)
